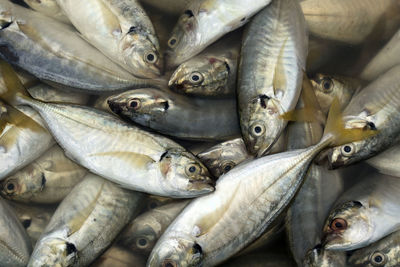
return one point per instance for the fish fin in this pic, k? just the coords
(135, 159)
(13, 85)
(335, 128)
(21, 120)
(279, 80)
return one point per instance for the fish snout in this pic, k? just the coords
(115, 107)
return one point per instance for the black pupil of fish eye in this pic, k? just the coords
(172, 41)
(150, 57)
(338, 225)
(192, 169)
(134, 104)
(347, 149)
(327, 85)
(142, 242)
(378, 258)
(26, 223)
(10, 186)
(195, 77)
(257, 129)
(227, 168)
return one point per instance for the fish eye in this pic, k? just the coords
(347, 150)
(192, 169)
(227, 166)
(150, 57)
(327, 84)
(172, 42)
(10, 187)
(338, 224)
(196, 77)
(257, 130)
(378, 259)
(169, 263)
(26, 223)
(134, 103)
(141, 242)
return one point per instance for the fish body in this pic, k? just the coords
(274, 51)
(49, 8)
(177, 115)
(386, 162)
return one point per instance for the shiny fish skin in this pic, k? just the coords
(85, 223)
(30, 41)
(44, 92)
(375, 107)
(274, 50)
(143, 232)
(387, 162)
(366, 213)
(47, 180)
(385, 252)
(177, 115)
(386, 58)
(49, 8)
(350, 21)
(318, 257)
(205, 21)
(15, 246)
(121, 30)
(210, 73)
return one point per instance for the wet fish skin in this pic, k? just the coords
(49, 8)
(375, 107)
(47, 180)
(85, 223)
(364, 214)
(210, 73)
(273, 55)
(30, 41)
(15, 243)
(319, 257)
(205, 21)
(164, 112)
(121, 30)
(143, 232)
(385, 252)
(386, 162)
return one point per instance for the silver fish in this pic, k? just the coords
(49, 8)
(46, 180)
(192, 34)
(85, 223)
(173, 114)
(274, 51)
(121, 30)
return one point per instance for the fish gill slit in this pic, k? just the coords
(163, 155)
(262, 100)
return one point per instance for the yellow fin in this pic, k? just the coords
(13, 85)
(135, 159)
(279, 80)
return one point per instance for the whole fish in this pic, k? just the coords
(55, 53)
(177, 115)
(274, 51)
(85, 223)
(245, 202)
(15, 243)
(210, 73)
(33, 218)
(364, 214)
(205, 21)
(387, 57)
(385, 252)
(386, 162)
(120, 152)
(375, 107)
(143, 232)
(119, 257)
(49, 8)
(171, 7)
(319, 257)
(121, 30)
(46, 180)
(350, 21)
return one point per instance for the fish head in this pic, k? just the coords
(143, 234)
(261, 124)
(54, 252)
(185, 172)
(327, 88)
(140, 52)
(377, 254)
(319, 257)
(12, 187)
(348, 227)
(175, 252)
(200, 76)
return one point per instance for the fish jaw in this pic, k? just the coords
(53, 251)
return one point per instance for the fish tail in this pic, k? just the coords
(14, 89)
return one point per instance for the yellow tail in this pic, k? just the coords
(13, 85)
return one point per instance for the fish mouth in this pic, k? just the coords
(206, 185)
(115, 107)
(332, 242)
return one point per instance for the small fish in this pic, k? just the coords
(192, 34)
(385, 252)
(210, 73)
(121, 30)
(178, 115)
(46, 180)
(85, 223)
(49, 8)
(319, 257)
(364, 214)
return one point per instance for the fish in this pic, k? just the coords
(350, 22)
(34, 218)
(143, 232)
(121, 30)
(164, 112)
(119, 257)
(364, 214)
(192, 33)
(384, 252)
(386, 162)
(214, 227)
(85, 223)
(375, 108)
(120, 152)
(319, 257)
(169, 7)
(212, 73)
(15, 243)
(385, 59)
(55, 53)
(49, 8)
(273, 55)
(46, 180)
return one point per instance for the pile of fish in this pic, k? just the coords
(179, 133)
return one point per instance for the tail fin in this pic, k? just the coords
(13, 85)
(335, 128)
